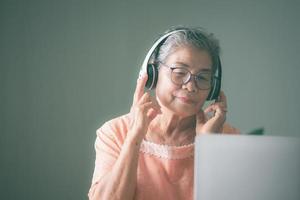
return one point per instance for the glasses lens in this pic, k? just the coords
(180, 75)
(203, 81)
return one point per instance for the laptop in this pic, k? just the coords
(243, 167)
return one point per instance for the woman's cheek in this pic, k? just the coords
(166, 90)
(165, 96)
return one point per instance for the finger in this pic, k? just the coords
(216, 106)
(219, 105)
(152, 113)
(157, 108)
(148, 108)
(139, 90)
(215, 109)
(209, 112)
(223, 98)
(145, 98)
(155, 103)
(212, 107)
(200, 117)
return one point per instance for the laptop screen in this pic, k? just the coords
(235, 167)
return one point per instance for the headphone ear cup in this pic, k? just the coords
(216, 83)
(210, 95)
(215, 90)
(152, 73)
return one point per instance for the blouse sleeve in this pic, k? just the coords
(107, 151)
(228, 129)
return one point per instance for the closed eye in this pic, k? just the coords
(205, 77)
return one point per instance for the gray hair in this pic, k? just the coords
(188, 36)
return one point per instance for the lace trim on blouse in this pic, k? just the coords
(166, 151)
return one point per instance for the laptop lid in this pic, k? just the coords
(242, 167)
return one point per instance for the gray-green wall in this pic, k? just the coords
(68, 66)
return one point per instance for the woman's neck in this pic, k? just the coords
(171, 129)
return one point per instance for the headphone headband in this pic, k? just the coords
(152, 49)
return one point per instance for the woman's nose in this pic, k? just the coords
(190, 85)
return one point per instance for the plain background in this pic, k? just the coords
(66, 67)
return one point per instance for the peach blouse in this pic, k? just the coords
(164, 172)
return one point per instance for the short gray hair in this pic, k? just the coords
(189, 36)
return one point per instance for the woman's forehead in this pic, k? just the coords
(202, 68)
(190, 57)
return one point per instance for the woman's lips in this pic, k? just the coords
(186, 100)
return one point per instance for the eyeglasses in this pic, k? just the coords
(180, 76)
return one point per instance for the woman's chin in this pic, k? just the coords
(185, 112)
(181, 108)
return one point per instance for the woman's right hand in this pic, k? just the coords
(143, 110)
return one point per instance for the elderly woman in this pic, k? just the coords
(149, 153)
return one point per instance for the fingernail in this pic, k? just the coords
(141, 76)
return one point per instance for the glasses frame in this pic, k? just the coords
(191, 75)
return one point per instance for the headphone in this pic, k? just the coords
(152, 69)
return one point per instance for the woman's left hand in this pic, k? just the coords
(216, 122)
